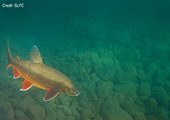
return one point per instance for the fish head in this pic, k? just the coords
(70, 89)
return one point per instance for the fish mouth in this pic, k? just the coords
(76, 94)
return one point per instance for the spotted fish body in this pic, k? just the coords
(36, 73)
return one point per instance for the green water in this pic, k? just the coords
(116, 52)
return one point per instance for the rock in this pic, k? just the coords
(86, 113)
(120, 97)
(25, 103)
(127, 67)
(111, 111)
(150, 117)
(167, 85)
(76, 114)
(161, 74)
(151, 102)
(96, 105)
(107, 74)
(118, 78)
(82, 69)
(139, 116)
(70, 118)
(8, 114)
(159, 52)
(152, 67)
(97, 117)
(126, 88)
(67, 111)
(107, 61)
(36, 112)
(128, 107)
(130, 76)
(97, 69)
(86, 103)
(51, 115)
(125, 55)
(86, 63)
(94, 55)
(143, 98)
(162, 99)
(158, 112)
(13, 102)
(137, 55)
(92, 97)
(91, 88)
(158, 89)
(20, 115)
(5, 106)
(60, 115)
(17, 95)
(102, 92)
(158, 82)
(144, 89)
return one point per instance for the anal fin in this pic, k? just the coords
(26, 85)
(16, 73)
(51, 93)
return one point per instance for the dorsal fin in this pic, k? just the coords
(35, 55)
(17, 57)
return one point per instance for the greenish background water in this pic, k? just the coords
(117, 53)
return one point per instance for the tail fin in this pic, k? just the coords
(8, 55)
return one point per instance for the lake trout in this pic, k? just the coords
(36, 73)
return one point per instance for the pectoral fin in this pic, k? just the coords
(16, 73)
(26, 85)
(51, 93)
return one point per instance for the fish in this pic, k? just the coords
(36, 73)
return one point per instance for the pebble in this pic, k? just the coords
(128, 107)
(60, 115)
(67, 111)
(151, 102)
(36, 112)
(25, 103)
(144, 89)
(97, 117)
(94, 55)
(8, 114)
(70, 118)
(139, 116)
(107, 61)
(102, 92)
(107, 74)
(86, 103)
(127, 67)
(91, 88)
(76, 114)
(20, 115)
(158, 112)
(120, 97)
(126, 88)
(167, 85)
(137, 55)
(97, 104)
(92, 97)
(161, 74)
(86, 113)
(111, 111)
(86, 63)
(51, 114)
(13, 102)
(158, 82)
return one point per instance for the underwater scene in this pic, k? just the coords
(85, 60)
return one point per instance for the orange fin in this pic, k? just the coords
(16, 74)
(26, 85)
(51, 93)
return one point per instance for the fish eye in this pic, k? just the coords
(73, 90)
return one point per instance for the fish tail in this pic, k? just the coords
(8, 55)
